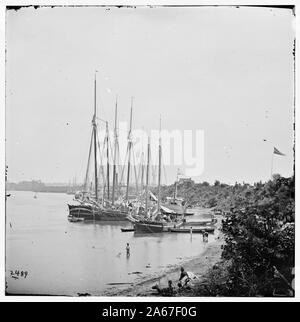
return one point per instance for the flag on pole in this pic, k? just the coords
(276, 151)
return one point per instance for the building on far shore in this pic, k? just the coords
(185, 180)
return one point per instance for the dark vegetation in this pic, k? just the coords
(219, 195)
(258, 254)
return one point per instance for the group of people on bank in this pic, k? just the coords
(184, 282)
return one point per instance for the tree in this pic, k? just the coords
(259, 235)
(212, 202)
(217, 183)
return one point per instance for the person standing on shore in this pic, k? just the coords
(206, 236)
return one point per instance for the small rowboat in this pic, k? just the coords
(127, 229)
(199, 224)
(188, 214)
(194, 230)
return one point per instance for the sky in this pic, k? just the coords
(223, 70)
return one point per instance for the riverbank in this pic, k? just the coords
(199, 265)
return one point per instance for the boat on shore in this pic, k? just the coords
(205, 222)
(208, 229)
(187, 214)
(153, 226)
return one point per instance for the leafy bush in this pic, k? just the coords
(259, 239)
(258, 252)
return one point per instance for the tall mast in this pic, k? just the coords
(115, 153)
(107, 161)
(147, 175)
(143, 166)
(159, 167)
(95, 136)
(142, 171)
(88, 164)
(175, 190)
(129, 151)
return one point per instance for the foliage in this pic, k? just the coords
(215, 282)
(258, 253)
(219, 195)
(259, 236)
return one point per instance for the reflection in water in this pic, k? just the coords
(66, 258)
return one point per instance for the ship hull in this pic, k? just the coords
(88, 213)
(155, 227)
(148, 227)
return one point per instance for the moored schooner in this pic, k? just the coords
(154, 219)
(90, 206)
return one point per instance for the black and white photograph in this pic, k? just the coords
(150, 151)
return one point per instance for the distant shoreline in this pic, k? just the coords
(37, 191)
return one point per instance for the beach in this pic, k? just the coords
(199, 265)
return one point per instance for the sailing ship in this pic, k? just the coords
(176, 204)
(90, 206)
(153, 220)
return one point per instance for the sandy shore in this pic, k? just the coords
(198, 265)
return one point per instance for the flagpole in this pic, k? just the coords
(272, 165)
(275, 151)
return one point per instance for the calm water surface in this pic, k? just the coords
(64, 258)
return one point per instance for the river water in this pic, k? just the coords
(56, 257)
